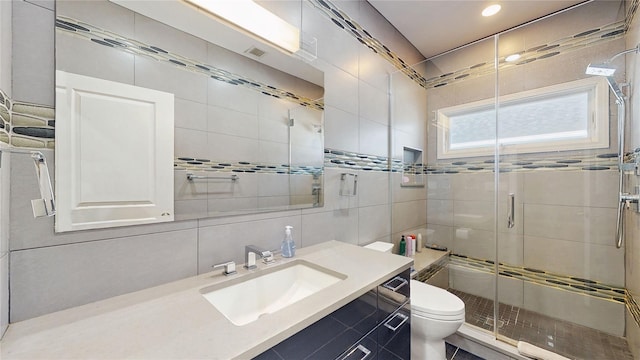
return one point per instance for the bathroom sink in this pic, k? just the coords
(245, 299)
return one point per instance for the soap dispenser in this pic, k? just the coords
(288, 245)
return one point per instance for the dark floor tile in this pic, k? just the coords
(571, 340)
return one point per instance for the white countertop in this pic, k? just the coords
(175, 321)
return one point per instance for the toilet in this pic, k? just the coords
(435, 314)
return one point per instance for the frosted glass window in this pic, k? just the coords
(570, 116)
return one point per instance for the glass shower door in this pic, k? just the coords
(560, 277)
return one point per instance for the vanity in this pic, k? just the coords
(369, 298)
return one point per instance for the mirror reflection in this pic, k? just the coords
(248, 134)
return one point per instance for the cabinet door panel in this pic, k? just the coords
(114, 154)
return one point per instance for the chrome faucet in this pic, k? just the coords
(250, 253)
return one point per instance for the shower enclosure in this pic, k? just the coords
(522, 178)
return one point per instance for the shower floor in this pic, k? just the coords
(562, 337)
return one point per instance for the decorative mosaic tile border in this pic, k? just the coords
(633, 307)
(608, 161)
(344, 159)
(541, 277)
(544, 51)
(194, 164)
(26, 125)
(112, 40)
(350, 160)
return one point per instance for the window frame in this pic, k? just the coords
(597, 129)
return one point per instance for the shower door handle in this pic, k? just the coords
(511, 209)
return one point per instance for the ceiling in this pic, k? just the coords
(435, 26)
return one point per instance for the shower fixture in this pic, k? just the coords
(45, 206)
(624, 199)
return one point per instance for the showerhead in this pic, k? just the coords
(603, 69)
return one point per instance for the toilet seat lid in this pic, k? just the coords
(427, 299)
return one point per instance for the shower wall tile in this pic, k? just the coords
(440, 212)
(571, 188)
(341, 225)
(474, 215)
(78, 274)
(583, 224)
(155, 75)
(332, 198)
(374, 138)
(577, 308)
(480, 244)
(510, 291)
(373, 188)
(402, 194)
(222, 243)
(439, 235)
(83, 57)
(412, 139)
(408, 215)
(33, 52)
(441, 186)
(580, 259)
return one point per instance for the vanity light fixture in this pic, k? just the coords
(252, 18)
(491, 10)
(512, 57)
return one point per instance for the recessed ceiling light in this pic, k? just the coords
(512, 58)
(491, 10)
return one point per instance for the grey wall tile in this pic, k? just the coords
(583, 224)
(4, 293)
(596, 313)
(408, 215)
(571, 188)
(373, 222)
(33, 45)
(341, 225)
(72, 275)
(80, 56)
(584, 260)
(222, 243)
(163, 76)
(100, 13)
(169, 39)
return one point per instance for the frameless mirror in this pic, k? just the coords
(248, 118)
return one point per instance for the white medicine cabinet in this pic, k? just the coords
(114, 154)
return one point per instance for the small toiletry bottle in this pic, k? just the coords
(408, 247)
(288, 245)
(419, 243)
(403, 246)
(413, 245)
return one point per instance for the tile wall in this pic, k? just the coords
(632, 245)
(5, 84)
(80, 267)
